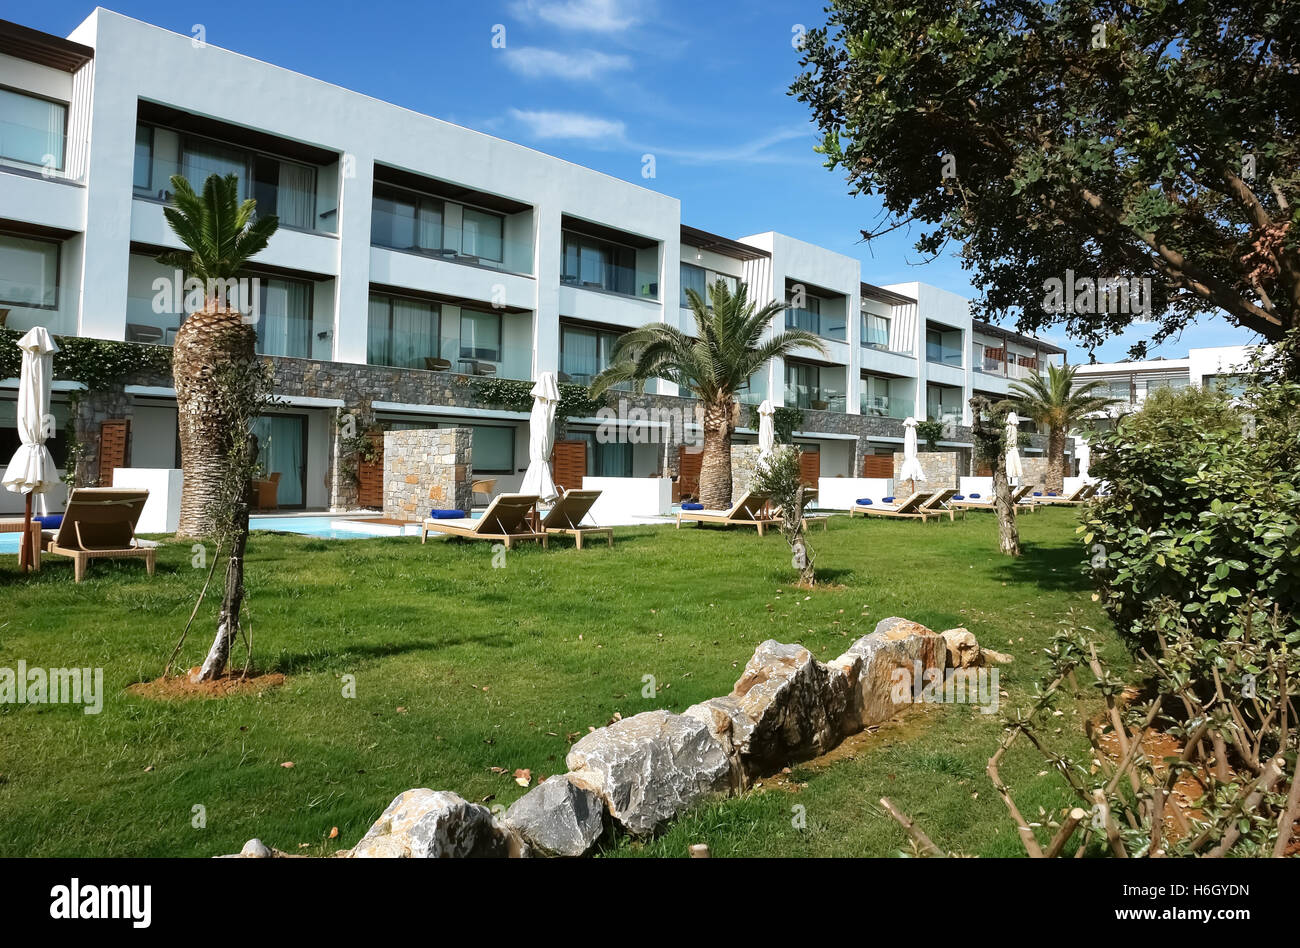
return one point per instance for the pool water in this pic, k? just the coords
(9, 543)
(328, 528)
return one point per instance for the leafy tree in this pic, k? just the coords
(1147, 140)
(1057, 402)
(713, 366)
(780, 478)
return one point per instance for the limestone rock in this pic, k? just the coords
(650, 767)
(896, 644)
(256, 849)
(558, 817)
(424, 823)
(963, 649)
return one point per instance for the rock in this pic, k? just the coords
(786, 706)
(896, 644)
(963, 649)
(558, 817)
(434, 824)
(256, 849)
(650, 767)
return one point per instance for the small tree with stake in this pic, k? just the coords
(778, 477)
(988, 426)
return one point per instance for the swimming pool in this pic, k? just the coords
(327, 528)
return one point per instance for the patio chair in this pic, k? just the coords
(99, 523)
(910, 508)
(568, 513)
(505, 521)
(484, 486)
(268, 492)
(749, 511)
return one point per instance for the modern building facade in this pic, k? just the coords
(415, 259)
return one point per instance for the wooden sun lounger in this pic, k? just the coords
(1018, 496)
(505, 521)
(568, 513)
(99, 523)
(749, 511)
(1077, 497)
(910, 508)
(938, 504)
(15, 525)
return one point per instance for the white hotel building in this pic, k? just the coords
(413, 259)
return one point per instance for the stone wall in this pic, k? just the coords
(425, 469)
(744, 457)
(942, 468)
(1035, 470)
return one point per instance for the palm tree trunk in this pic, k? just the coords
(214, 336)
(715, 460)
(1055, 479)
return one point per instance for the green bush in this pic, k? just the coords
(1198, 536)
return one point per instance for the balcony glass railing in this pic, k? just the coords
(447, 355)
(36, 151)
(943, 355)
(451, 244)
(883, 406)
(825, 325)
(639, 282)
(816, 398)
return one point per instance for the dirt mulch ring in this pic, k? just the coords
(179, 687)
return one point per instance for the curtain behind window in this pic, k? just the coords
(415, 333)
(580, 352)
(203, 158)
(296, 197)
(284, 326)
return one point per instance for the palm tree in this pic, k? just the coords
(221, 234)
(1059, 404)
(713, 366)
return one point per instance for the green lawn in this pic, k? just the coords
(461, 667)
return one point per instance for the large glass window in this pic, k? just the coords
(29, 272)
(875, 331)
(284, 324)
(402, 333)
(480, 336)
(493, 450)
(32, 129)
(203, 158)
(699, 279)
(143, 180)
(599, 264)
(285, 189)
(482, 234)
(605, 458)
(943, 404)
(404, 220)
(281, 447)
(585, 352)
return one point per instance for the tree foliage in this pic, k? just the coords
(1145, 139)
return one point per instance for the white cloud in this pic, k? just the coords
(582, 64)
(755, 151)
(596, 16)
(569, 125)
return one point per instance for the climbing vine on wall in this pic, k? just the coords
(517, 395)
(99, 364)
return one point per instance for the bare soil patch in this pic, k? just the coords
(180, 688)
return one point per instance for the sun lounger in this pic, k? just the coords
(568, 513)
(749, 511)
(505, 521)
(1076, 497)
(910, 508)
(99, 523)
(971, 502)
(938, 504)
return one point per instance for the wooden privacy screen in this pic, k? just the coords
(688, 473)
(878, 465)
(370, 475)
(810, 467)
(569, 464)
(983, 469)
(114, 447)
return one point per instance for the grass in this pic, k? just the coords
(460, 667)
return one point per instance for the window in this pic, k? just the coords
(699, 279)
(812, 386)
(605, 459)
(57, 445)
(404, 220)
(480, 336)
(285, 189)
(482, 234)
(943, 347)
(203, 158)
(284, 318)
(493, 450)
(29, 272)
(32, 129)
(402, 333)
(943, 404)
(586, 352)
(143, 158)
(598, 264)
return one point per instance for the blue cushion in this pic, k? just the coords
(50, 521)
(447, 514)
(1038, 493)
(958, 496)
(1051, 493)
(692, 506)
(864, 501)
(886, 500)
(974, 496)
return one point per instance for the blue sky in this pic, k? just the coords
(700, 86)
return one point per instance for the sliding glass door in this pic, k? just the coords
(284, 326)
(282, 450)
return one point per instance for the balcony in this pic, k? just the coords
(817, 398)
(883, 406)
(825, 325)
(38, 152)
(941, 354)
